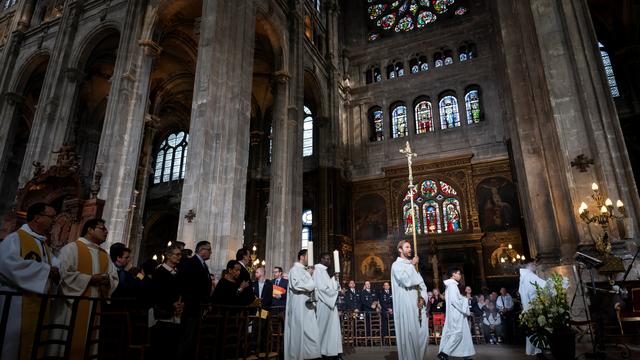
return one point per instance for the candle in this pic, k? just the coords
(594, 187)
(336, 260)
(310, 253)
(608, 202)
(619, 203)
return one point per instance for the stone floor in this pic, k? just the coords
(483, 352)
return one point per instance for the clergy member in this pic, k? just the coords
(411, 332)
(326, 308)
(26, 265)
(86, 271)
(300, 326)
(456, 335)
(527, 292)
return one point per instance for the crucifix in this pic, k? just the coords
(409, 154)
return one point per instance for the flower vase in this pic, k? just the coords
(563, 344)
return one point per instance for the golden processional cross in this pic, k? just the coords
(409, 154)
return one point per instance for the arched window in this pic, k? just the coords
(463, 53)
(448, 57)
(307, 134)
(423, 114)
(440, 208)
(399, 121)
(9, 3)
(414, 66)
(307, 223)
(373, 74)
(449, 117)
(391, 71)
(472, 103)
(376, 122)
(399, 68)
(171, 159)
(608, 70)
(438, 59)
(424, 65)
(318, 5)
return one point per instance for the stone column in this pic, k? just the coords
(483, 277)
(51, 119)
(123, 130)
(215, 180)
(280, 249)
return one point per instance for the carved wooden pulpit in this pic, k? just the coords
(61, 187)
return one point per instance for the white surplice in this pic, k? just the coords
(74, 283)
(411, 335)
(18, 274)
(527, 293)
(456, 335)
(327, 312)
(300, 327)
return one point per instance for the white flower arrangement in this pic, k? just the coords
(549, 311)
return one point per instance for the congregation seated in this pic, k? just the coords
(492, 324)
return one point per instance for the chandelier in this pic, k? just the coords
(602, 216)
(506, 257)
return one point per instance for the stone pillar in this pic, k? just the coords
(123, 130)
(215, 181)
(279, 248)
(51, 119)
(483, 277)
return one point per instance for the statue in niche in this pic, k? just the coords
(497, 204)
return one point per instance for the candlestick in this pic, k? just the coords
(310, 253)
(336, 260)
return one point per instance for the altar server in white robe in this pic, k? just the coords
(86, 270)
(412, 331)
(27, 265)
(456, 335)
(527, 292)
(300, 327)
(326, 310)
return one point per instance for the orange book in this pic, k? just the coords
(278, 290)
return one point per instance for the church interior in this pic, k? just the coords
(278, 125)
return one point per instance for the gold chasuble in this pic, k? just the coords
(81, 327)
(30, 249)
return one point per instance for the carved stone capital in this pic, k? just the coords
(151, 48)
(281, 77)
(74, 75)
(152, 122)
(13, 99)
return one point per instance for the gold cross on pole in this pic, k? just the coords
(409, 154)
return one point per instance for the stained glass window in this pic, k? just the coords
(391, 71)
(431, 214)
(463, 53)
(472, 103)
(307, 223)
(451, 214)
(424, 65)
(449, 117)
(373, 74)
(9, 3)
(401, 16)
(608, 70)
(440, 208)
(307, 134)
(424, 117)
(408, 219)
(399, 121)
(448, 57)
(414, 66)
(438, 60)
(171, 159)
(399, 68)
(377, 123)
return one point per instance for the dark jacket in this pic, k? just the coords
(386, 300)
(167, 291)
(195, 280)
(226, 293)
(267, 293)
(366, 300)
(283, 283)
(351, 300)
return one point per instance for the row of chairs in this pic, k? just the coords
(375, 329)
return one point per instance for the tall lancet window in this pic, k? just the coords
(171, 159)
(307, 223)
(608, 70)
(449, 117)
(307, 135)
(399, 121)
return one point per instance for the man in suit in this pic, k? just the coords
(352, 298)
(263, 288)
(244, 258)
(280, 285)
(367, 297)
(194, 278)
(386, 304)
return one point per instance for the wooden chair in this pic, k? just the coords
(475, 324)
(347, 328)
(436, 328)
(375, 329)
(390, 339)
(360, 330)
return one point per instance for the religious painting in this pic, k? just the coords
(373, 261)
(497, 204)
(370, 218)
